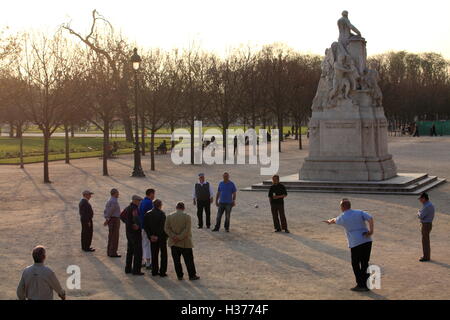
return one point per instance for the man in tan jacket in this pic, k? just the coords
(178, 228)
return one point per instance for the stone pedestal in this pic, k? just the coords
(356, 48)
(348, 142)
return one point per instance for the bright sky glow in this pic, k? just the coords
(306, 26)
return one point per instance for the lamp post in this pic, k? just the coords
(137, 170)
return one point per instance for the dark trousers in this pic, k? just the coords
(224, 207)
(188, 257)
(113, 236)
(278, 214)
(134, 252)
(204, 204)
(360, 262)
(159, 246)
(426, 229)
(87, 230)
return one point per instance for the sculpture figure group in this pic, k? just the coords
(342, 73)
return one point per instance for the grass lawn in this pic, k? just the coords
(79, 148)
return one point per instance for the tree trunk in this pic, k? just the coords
(192, 141)
(152, 151)
(105, 148)
(224, 142)
(280, 130)
(19, 130)
(72, 131)
(172, 129)
(21, 152)
(126, 120)
(143, 134)
(66, 138)
(11, 130)
(46, 145)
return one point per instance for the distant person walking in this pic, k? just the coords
(178, 228)
(39, 281)
(433, 132)
(203, 196)
(426, 217)
(154, 222)
(415, 130)
(277, 193)
(225, 201)
(86, 215)
(134, 237)
(359, 240)
(145, 206)
(112, 220)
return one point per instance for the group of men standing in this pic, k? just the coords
(148, 233)
(203, 196)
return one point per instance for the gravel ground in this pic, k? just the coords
(250, 262)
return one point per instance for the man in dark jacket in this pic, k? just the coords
(277, 193)
(86, 215)
(154, 221)
(134, 237)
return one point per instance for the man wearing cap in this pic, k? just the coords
(426, 216)
(134, 237)
(203, 195)
(112, 220)
(359, 240)
(39, 281)
(86, 215)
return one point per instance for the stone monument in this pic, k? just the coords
(348, 128)
(348, 148)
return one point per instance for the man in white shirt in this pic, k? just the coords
(38, 281)
(203, 195)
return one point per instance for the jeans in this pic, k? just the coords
(360, 263)
(224, 207)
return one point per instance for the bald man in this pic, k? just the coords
(359, 240)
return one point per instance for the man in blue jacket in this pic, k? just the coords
(145, 206)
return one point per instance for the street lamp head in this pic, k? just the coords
(135, 59)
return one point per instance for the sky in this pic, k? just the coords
(218, 25)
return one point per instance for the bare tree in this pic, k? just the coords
(114, 50)
(45, 66)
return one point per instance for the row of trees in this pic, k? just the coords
(70, 79)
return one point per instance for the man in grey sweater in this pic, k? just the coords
(38, 281)
(426, 216)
